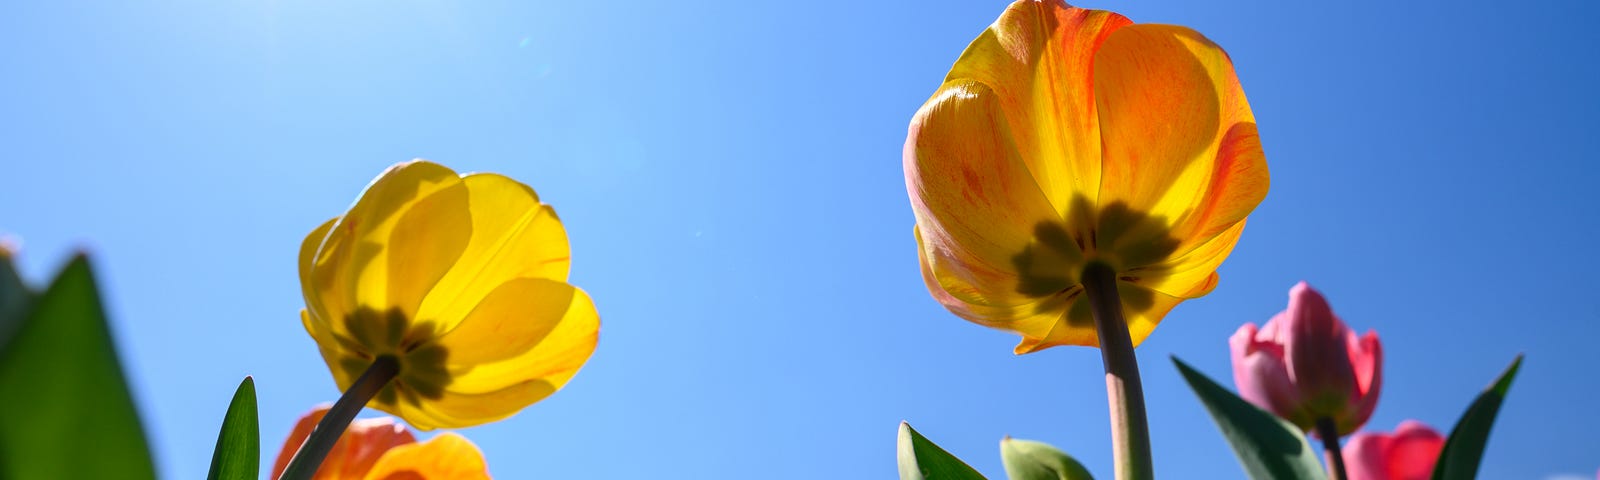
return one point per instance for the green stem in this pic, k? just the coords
(333, 425)
(1330, 445)
(1130, 431)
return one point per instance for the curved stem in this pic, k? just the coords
(333, 425)
(1330, 446)
(1130, 431)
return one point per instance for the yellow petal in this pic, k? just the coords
(1192, 275)
(547, 337)
(424, 245)
(446, 456)
(460, 410)
(1031, 319)
(513, 236)
(351, 268)
(509, 321)
(308, 257)
(977, 207)
(329, 346)
(1037, 60)
(1142, 308)
(1173, 121)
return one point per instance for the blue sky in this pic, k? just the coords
(730, 177)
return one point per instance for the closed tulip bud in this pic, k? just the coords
(1304, 365)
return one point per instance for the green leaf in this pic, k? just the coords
(1030, 460)
(238, 453)
(920, 459)
(14, 298)
(67, 411)
(1463, 451)
(1268, 447)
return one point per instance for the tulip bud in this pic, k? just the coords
(1304, 364)
(1407, 454)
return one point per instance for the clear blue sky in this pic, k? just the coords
(730, 176)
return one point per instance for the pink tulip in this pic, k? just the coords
(1408, 454)
(1305, 365)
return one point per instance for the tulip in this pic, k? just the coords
(460, 282)
(1306, 366)
(1075, 177)
(356, 451)
(382, 449)
(1407, 454)
(1065, 139)
(442, 299)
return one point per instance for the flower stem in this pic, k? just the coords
(333, 425)
(1330, 445)
(1130, 431)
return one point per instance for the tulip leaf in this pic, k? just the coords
(14, 298)
(920, 459)
(1268, 447)
(1030, 460)
(1463, 451)
(238, 453)
(67, 410)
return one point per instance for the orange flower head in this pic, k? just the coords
(1065, 137)
(382, 449)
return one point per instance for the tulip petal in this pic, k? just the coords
(518, 317)
(352, 456)
(513, 236)
(1178, 136)
(1412, 451)
(308, 257)
(453, 409)
(1036, 58)
(1034, 320)
(1261, 376)
(1365, 456)
(976, 204)
(1193, 274)
(353, 254)
(426, 242)
(1366, 359)
(328, 344)
(558, 340)
(447, 455)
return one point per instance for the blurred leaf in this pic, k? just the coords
(1268, 447)
(14, 299)
(920, 459)
(1030, 460)
(1463, 451)
(67, 411)
(238, 453)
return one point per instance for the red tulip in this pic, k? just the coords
(1305, 365)
(1407, 454)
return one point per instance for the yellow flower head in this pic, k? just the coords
(463, 280)
(1065, 136)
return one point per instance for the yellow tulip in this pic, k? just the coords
(459, 279)
(1065, 137)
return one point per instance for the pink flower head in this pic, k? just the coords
(1305, 364)
(1407, 454)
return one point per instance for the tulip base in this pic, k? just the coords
(1130, 430)
(327, 433)
(1330, 446)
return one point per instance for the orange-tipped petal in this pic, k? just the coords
(447, 456)
(1036, 58)
(1179, 137)
(976, 205)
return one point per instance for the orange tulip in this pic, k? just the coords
(1065, 137)
(382, 449)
